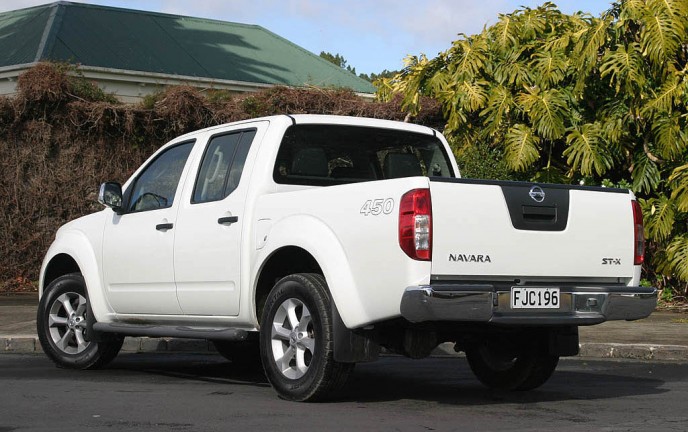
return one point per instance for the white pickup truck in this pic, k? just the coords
(309, 242)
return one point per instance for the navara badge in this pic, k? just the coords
(537, 194)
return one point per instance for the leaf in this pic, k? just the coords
(660, 216)
(645, 174)
(546, 110)
(532, 23)
(679, 184)
(513, 70)
(411, 80)
(499, 103)
(624, 67)
(521, 147)
(588, 48)
(504, 33)
(550, 67)
(550, 175)
(473, 95)
(663, 29)
(669, 139)
(468, 57)
(663, 99)
(586, 150)
(677, 252)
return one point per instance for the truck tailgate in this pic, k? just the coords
(510, 229)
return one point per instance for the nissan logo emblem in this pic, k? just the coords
(537, 194)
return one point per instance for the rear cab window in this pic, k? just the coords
(323, 155)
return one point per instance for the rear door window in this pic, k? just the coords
(222, 166)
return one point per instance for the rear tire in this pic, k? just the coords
(507, 365)
(61, 325)
(297, 340)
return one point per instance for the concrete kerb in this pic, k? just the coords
(635, 351)
(28, 344)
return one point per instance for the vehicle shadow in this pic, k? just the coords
(440, 380)
(198, 367)
(450, 381)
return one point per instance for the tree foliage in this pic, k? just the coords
(339, 60)
(576, 98)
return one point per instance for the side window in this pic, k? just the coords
(222, 165)
(157, 184)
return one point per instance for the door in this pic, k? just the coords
(138, 245)
(207, 255)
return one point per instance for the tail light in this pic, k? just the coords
(639, 236)
(415, 224)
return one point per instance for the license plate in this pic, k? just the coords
(534, 298)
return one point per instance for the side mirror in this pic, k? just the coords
(110, 195)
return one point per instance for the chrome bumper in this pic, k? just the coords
(579, 305)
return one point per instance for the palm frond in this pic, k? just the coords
(679, 184)
(613, 130)
(505, 32)
(547, 110)
(532, 22)
(550, 67)
(624, 66)
(676, 8)
(513, 70)
(499, 104)
(677, 252)
(586, 151)
(590, 42)
(473, 95)
(661, 33)
(633, 10)
(521, 147)
(411, 82)
(550, 175)
(469, 56)
(659, 217)
(645, 174)
(669, 137)
(664, 98)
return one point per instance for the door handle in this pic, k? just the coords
(163, 226)
(228, 220)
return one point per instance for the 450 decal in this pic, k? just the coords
(377, 207)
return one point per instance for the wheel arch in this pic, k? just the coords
(71, 253)
(308, 245)
(280, 263)
(60, 265)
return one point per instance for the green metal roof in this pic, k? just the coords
(127, 39)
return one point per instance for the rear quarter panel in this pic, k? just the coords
(359, 254)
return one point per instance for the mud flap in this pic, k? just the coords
(353, 346)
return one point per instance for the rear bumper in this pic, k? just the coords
(579, 305)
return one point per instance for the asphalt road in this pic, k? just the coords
(171, 392)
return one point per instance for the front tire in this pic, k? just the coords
(61, 325)
(297, 340)
(507, 364)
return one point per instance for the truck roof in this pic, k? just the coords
(326, 119)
